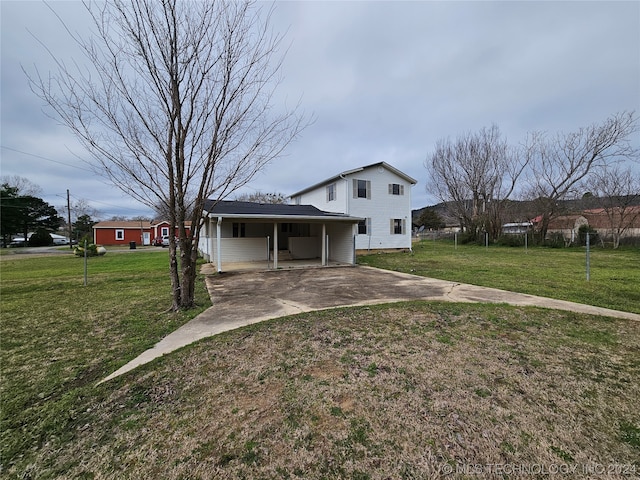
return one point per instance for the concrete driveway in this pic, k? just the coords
(245, 297)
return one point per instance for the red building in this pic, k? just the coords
(125, 232)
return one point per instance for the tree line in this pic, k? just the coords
(24, 214)
(478, 175)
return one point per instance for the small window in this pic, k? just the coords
(363, 226)
(331, 192)
(164, 231)
(396, 189)
(397, 226)
(361, 188)
(119, 234)
(239, 230)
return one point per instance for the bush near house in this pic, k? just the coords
(40, 238)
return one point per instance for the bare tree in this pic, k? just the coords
(262, 197)
(559, 164)
(23, 186)
(617, 192)
(475, 176)
(175, 107)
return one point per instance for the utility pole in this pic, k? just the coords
(69, 220)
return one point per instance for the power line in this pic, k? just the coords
(47, 159)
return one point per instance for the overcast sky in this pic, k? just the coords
(384, 80)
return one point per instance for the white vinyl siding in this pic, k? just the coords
(375, 200)
(340, 242)
(239, 249)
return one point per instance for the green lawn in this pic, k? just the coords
(59, 337)
(404, 390)
(556, 273)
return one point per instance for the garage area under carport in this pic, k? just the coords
(236, 232)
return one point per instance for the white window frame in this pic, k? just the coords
(119, 233)
(396, 189)
(398, 224)
(356, 189)
(331, 192)
(239, 230)
(367, 226)
(164, 231)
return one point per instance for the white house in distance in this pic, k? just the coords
(379, 194)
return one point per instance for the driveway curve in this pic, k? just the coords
(244, 298)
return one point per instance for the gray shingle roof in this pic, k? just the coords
(226, 207)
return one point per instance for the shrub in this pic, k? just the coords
(40, 238)
(92, 250)
(555, 240)
(511, 240)
(582, 235)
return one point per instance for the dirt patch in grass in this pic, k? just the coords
(394, 391)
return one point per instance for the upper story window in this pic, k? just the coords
(396, 189)
(119, 234)
(361, 188)
(331, 192)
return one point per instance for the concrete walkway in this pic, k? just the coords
(244, 296)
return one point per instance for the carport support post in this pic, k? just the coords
(219, 244)
(275, 246)
(323, 255)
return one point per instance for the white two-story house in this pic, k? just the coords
(378, 193)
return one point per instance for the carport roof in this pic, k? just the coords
(225, 208)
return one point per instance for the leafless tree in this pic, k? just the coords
(560, 164)
(79, 207)
(23, 186)
(176, 106)
(617, 192)
(475, 175)
(262, 197)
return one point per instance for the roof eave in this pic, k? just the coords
(402, 175)
(305, 218)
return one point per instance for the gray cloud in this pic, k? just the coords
(384, 81)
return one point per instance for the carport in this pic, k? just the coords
(256, 232)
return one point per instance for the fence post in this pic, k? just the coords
(588, 260)
(85, 263)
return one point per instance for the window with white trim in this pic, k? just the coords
(239, 230)
(119, 234)
(331, 192)
(398, 226)
(361, 188)
(164, 231)
(396, 189)
(364, 226)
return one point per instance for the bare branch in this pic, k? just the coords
(174, 101)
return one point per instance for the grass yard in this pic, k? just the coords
(555, 273)
(406, 390)
(58, 337)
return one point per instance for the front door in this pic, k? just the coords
(146, 238)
